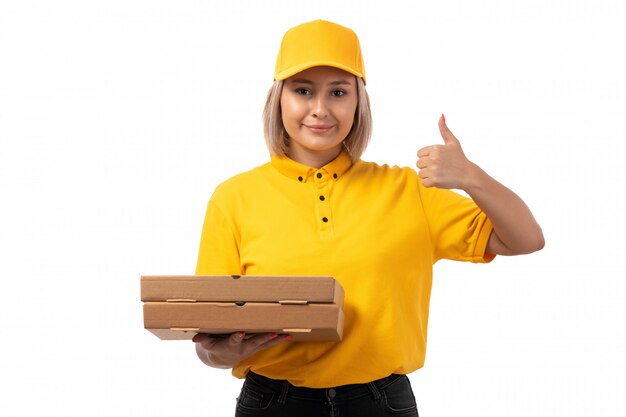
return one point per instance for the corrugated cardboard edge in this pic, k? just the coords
(339, 294)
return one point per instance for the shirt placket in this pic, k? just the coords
(323, 182)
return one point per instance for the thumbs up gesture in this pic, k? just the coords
(444, 166)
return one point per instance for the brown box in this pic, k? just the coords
(178, 307)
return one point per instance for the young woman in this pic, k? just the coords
(317, 209)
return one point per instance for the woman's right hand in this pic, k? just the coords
(226, 352)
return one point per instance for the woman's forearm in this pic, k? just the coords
(515, 230)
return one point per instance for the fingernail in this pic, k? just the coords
(443, 117)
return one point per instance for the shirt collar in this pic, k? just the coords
(300, 172)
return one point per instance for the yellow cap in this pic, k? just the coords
(319, 43)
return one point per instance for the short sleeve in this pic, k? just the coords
(219, 243)
(459, 229)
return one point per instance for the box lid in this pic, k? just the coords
(244, 288)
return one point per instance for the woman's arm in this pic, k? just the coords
(515, 230)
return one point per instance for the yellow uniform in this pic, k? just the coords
(376, 229)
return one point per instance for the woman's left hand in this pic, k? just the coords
(515, 230)
(445, 166)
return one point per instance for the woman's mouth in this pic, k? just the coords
(319, 128)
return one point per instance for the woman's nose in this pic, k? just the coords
(319, 108)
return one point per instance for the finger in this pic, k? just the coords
(427, 182)
(278, 339)
(259, 339)
(236, 338)
(446, 134)
(426, 177)
(422, 163)
(207, 337)
(201, 338)
(274, 340)
(424, 152)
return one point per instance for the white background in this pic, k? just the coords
(118, 118)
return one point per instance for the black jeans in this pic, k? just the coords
(390, 396)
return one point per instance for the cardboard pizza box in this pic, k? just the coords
(178, 307)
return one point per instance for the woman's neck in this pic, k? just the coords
(314, 159)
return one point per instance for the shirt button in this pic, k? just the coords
(322, 198)
(332, 393)
(324, 219)
(319, 175)
(335, 176)
(300, 179)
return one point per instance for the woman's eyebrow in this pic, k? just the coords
(302, 81)
(341, 82)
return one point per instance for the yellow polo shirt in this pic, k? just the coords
(376, 229)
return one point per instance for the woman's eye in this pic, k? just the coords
(338, 93)
(303, 91)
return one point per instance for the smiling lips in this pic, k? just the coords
(319, 128)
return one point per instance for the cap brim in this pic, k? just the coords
(299, 68)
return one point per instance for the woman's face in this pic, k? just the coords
(317, 108)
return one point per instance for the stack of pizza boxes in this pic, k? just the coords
(309, 308)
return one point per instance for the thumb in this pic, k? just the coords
(200, 338)
(447, 136)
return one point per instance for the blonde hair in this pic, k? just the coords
(276, 136)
